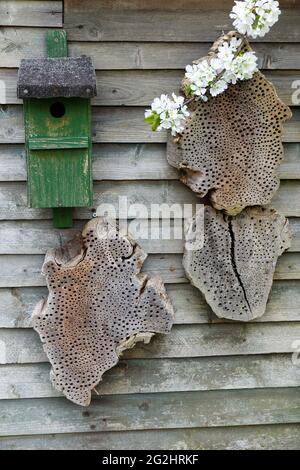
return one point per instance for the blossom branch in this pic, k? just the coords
(251, 17)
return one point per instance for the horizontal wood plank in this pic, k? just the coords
(161, 375)
(155, 5)
(13, 200)
(139, 88)
(162, 56)
(151, 411)
(31, 13)
(130, 162)
(264, 437)
(169, 267)
(106, 24)
(25, 270)
(17, 304)
(28, 237)
(19, 43)
(228, 339)
(127, 125)
(115, 125)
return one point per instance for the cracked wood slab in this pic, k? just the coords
(231, 144)
(99, 304)
(234, 268)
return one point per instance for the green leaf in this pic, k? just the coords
(256, 22)
(153, 120)
(149, 119)
(188, 91)
(156, 122)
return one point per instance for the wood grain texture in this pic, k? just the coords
(25, 270)
(163, 56)
(17, 304)
(31, 13)
(13, 199)
(264, 437)
(161, 375)
(19, 42)
(134, 5)
(126, 125)
(151, 411)
(125, 46)
(130, 162)
(95, 280)
(115, 125)
(230, 147)
(28, 237)
(238, 287)
(107, 24)
(227, 339)
(138, 88)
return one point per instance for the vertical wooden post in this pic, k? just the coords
(57, 47)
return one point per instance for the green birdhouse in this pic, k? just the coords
(57, 115)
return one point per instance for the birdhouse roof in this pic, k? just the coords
(57, 77)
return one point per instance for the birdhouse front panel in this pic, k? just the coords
(58, 152)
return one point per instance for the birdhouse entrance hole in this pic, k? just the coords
(57, 109)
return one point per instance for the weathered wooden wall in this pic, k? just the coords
(210, 384)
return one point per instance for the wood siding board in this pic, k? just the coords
(19, 42)
(17, 304)
(157, 5)
(228, 339)
(103, 24)
(13, 199)
(151, 411)
(31, 13)
(115, 125)
(25, 270)
(163, 56)
(158, 376)
(138, 88)
(28, 237)
(130, 162)
(264, 437)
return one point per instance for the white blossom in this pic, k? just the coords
(225, 55)
(201, 74)
(235, 43)
(167, 113)
(230, 76)
(160, 104)
(192, 72)
(255, 17)
(208, 73)
(245, 65)
(218, 87)
(199, 90)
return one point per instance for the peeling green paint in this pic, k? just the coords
(58, 149)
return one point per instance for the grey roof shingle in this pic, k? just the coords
(53, 77)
